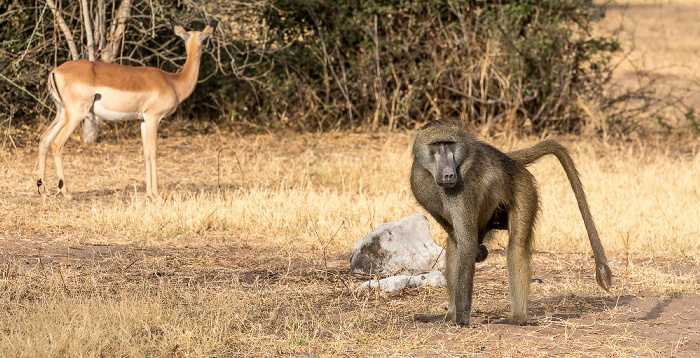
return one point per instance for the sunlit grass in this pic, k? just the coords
(306, 189)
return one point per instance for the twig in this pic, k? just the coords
(343, 89)
(218, 167)
(88, 30)
(475, 99)
(25, 91)
(202, 226)
(323, 248)
(437, 259)
(41, 264)
(341, 62)
(129, 265)
(29, 42)
(63, 280)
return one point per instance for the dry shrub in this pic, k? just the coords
(314, 65)
(512, 65)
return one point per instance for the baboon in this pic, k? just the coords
(471, 188)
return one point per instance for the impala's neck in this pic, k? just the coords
(186, 80)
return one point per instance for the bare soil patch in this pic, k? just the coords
(569, 318)
(260, 267)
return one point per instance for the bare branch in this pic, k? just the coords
(66, 31)
(88, 30)
(117, 31)
(100, 25)
(343, 89)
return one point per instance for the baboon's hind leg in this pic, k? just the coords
(520, 231)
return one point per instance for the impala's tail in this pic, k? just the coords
(53, 88)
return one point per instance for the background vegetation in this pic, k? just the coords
(513, 66)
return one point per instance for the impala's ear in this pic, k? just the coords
(207, 31)
(179, 30)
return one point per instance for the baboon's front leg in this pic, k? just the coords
(464, 266)
(462, 250)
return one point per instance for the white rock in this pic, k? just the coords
(397, 283)
(433, 279)
(396, 248)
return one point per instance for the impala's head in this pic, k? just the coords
(193, 38)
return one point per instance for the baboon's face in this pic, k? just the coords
(445, 172)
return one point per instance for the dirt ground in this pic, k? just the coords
(636, 323)
(660, 45)
(653, 309)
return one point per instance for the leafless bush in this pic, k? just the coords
(508, 66)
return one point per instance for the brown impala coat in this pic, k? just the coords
(114, 92)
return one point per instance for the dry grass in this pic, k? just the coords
(260, 267)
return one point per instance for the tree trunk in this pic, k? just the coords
(108, 44)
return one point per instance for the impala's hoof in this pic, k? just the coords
(155, 198)
(39, 183)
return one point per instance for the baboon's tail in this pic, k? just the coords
(530, 155)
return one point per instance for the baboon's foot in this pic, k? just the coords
(457, 320)
(603, 276)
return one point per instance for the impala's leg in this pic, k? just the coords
(45, 144)
(146, 158)
(149, 135)
(73, 118)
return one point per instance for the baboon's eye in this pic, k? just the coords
(441, 147)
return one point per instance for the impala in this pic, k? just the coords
(114, 92)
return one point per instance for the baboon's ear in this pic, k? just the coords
(179, 30)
